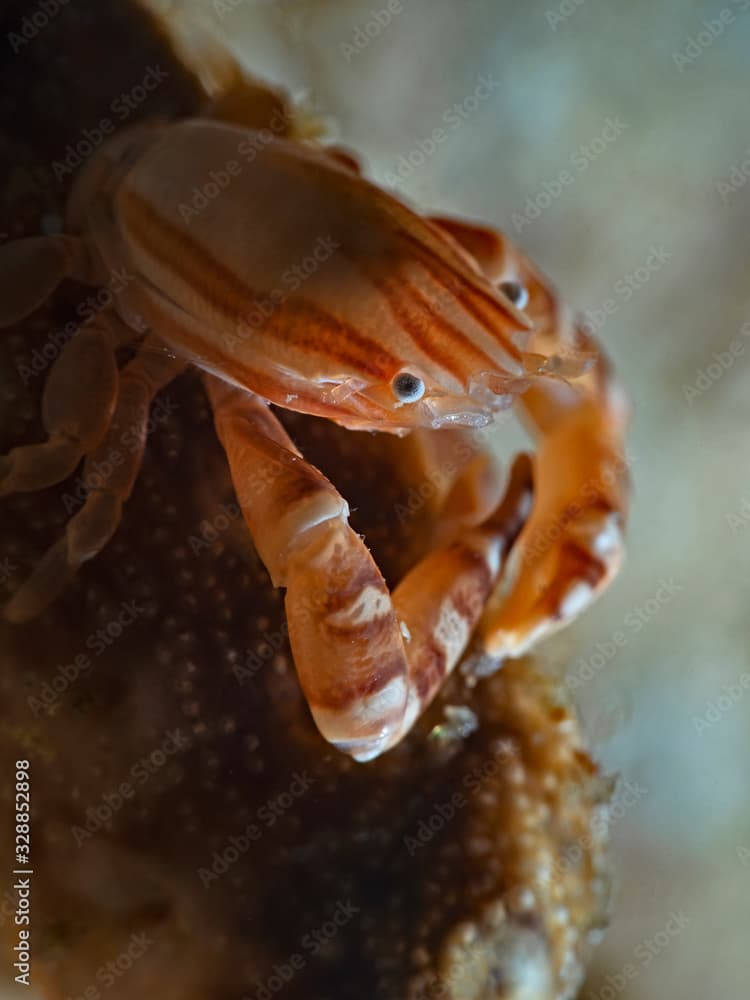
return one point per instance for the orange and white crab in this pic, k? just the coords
(268, 261)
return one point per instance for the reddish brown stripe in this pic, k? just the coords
(337, 695)
(398, 304)
(467, 562)
(469, 600)
(460, 284)
(448, 329)
(371, 631)
(299, 483)
(270, 388)
(430, 669)
(319, 332)
(585, 566)
(386, 670)
(481, 307)
(368, 575)
(308, 326)
(260, 383)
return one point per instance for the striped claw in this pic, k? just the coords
(369, 662)
(572, 545)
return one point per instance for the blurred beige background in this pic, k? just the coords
(613, 142)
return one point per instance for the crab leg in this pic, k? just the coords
(368, 661)
(77, 404)
(95, 523)
(571, 547)
(32, 268)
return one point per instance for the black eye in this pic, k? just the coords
(516, 292)
(407, 388)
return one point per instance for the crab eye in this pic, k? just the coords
(516, 292)
(407, 388)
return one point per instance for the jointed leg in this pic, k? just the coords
(571, 546)
(93, 526)
(31, 269)
(368, 661)
(79, 397)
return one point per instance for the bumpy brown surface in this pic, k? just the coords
(457, 867)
